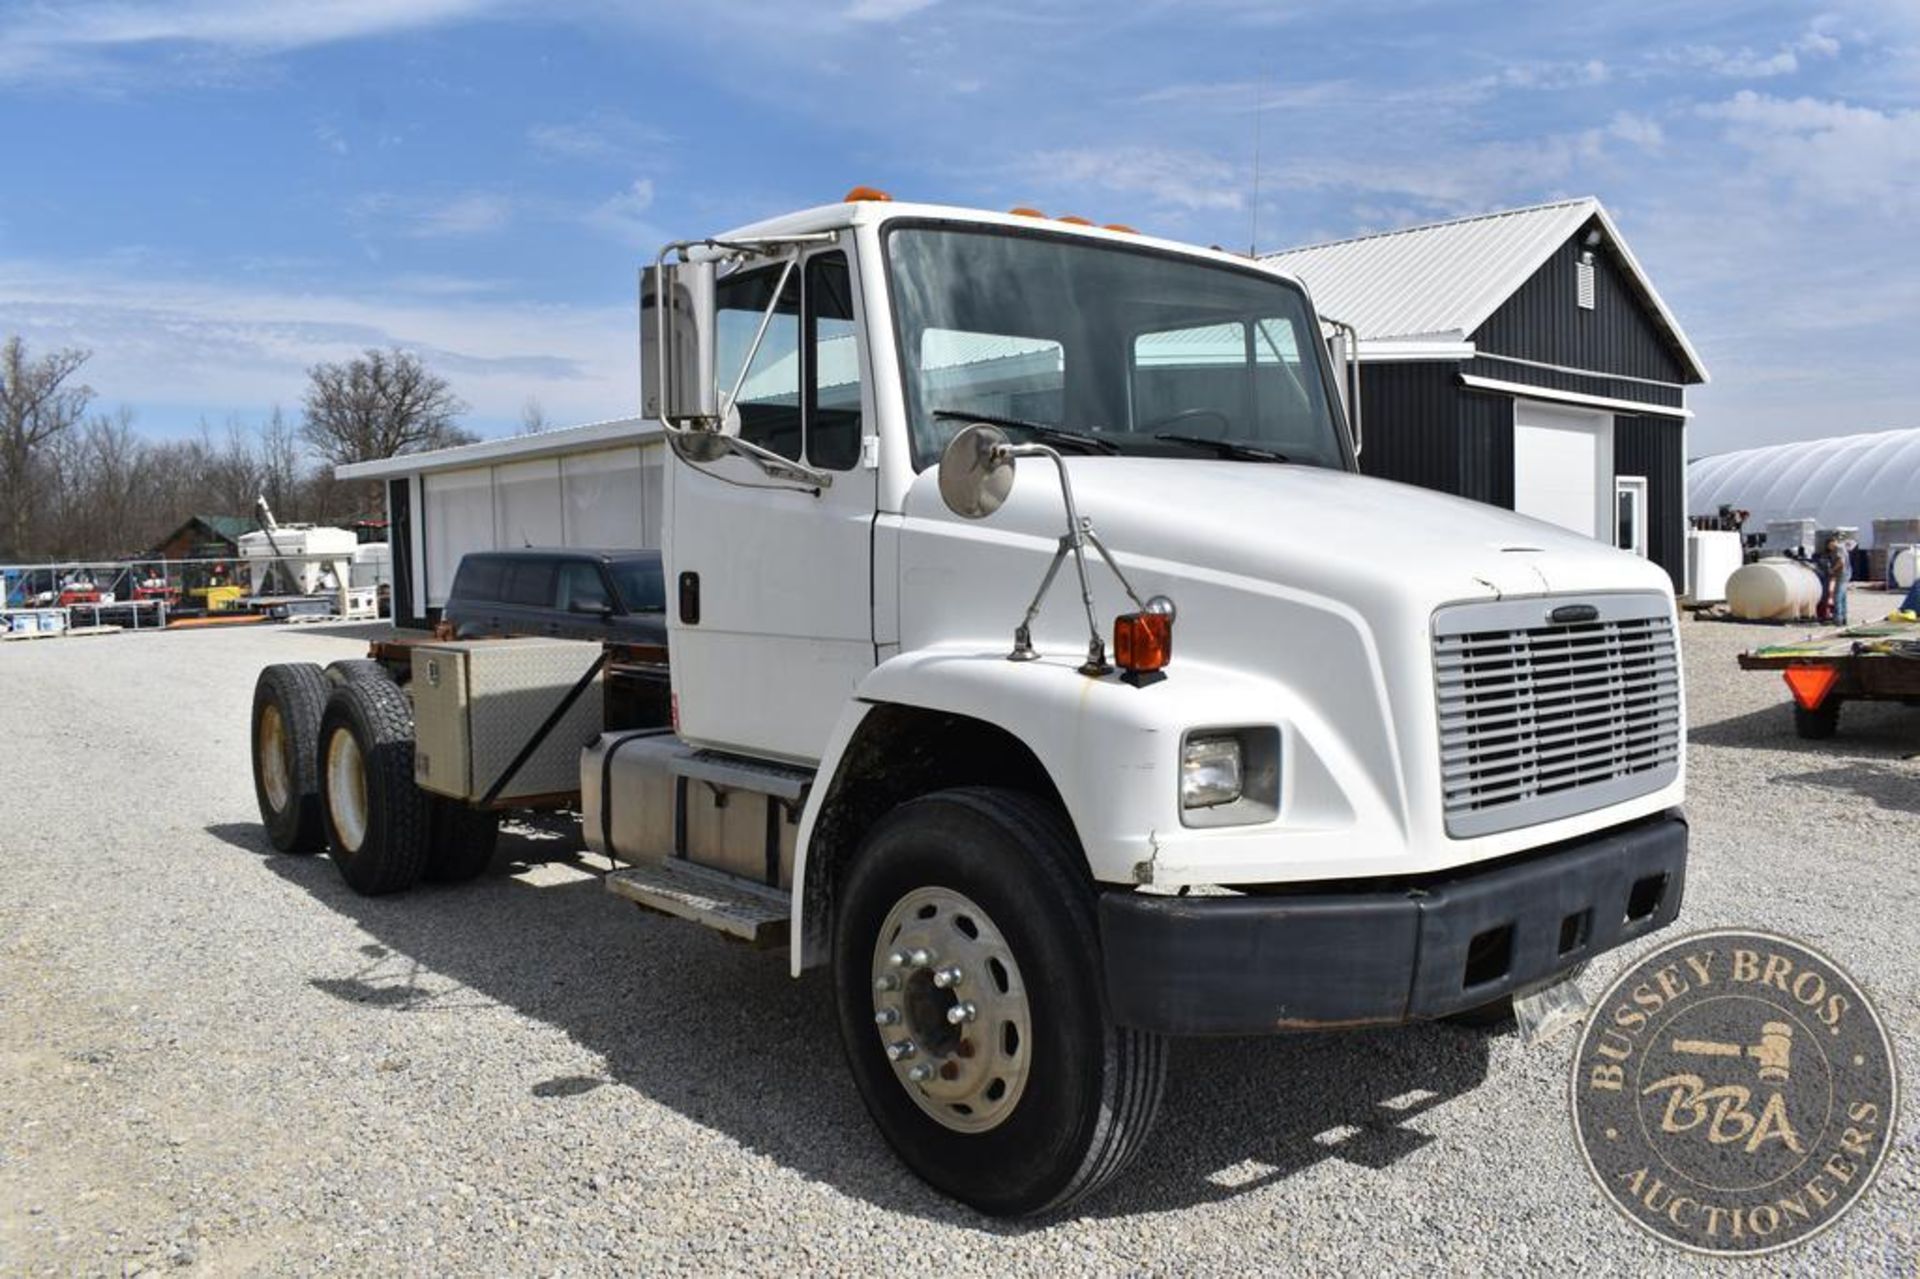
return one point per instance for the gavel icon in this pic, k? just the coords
(1774, 1052)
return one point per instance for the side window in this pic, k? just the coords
(833, 404)
(528, 583)
(583, 589)
(769, 403)
(478, 579)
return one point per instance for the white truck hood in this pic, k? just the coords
(1314, 529)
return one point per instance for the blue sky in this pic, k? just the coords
(214, 194)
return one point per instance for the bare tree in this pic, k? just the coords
(380, 404)
(38, 403)
(533, 418)
(280, 467)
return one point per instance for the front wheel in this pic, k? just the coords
(972, 1007)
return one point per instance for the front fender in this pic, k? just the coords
(1112, 753)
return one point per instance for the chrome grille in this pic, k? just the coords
(1540, 720)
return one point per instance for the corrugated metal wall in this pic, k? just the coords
(1409, 409)
(1543, 322)
(1653, 447)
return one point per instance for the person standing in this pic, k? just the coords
(1839, 566)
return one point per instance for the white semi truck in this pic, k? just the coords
(1193, 731)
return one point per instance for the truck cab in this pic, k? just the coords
(1193, 729)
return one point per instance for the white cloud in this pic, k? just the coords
(168, 341)
(1816, 41)
(476, 214)
(884, 10)
(622, 215)
(1829, 153)
(1171, 179)
(601, 136)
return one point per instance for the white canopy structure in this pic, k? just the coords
(1844, 481)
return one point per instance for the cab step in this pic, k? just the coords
(728, 904)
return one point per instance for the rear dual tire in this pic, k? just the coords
(288, 701)
(376, 818)
(947, 885)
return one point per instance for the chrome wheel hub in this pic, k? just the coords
(951, 1009)
(271, 751)
(347, 790)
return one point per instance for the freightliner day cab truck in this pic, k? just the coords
(1193, 731)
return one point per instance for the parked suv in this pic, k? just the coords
(560, 591)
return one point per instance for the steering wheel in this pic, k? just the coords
(1223, 425)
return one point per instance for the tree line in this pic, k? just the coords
(76, 483)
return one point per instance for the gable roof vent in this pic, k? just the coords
(1583, 281)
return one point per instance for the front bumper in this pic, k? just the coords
(1304, 960)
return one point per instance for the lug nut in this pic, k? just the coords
(886, 1017)
(919, 957)
(898, 959)
(921, 1073)
(961, 1013)
(886, 982)
(902, 1050)
(948, 976)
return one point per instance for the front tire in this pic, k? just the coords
(966, 929)
(376, 817)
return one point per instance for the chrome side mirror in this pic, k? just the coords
(677, 383)
(976, 471)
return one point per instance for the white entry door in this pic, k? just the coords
(1563, 467)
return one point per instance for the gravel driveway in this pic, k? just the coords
(215, 1057)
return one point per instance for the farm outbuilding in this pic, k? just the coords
(1524, 359)
(203, 537)
(597, 485)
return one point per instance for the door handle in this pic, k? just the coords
(690, 599)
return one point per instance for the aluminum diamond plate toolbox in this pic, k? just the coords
(477, 703)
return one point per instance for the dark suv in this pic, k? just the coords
(617, 596)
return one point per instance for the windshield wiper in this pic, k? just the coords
(1043, 431)
(1225, 448)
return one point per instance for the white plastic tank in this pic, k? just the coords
(1903, 566)
(1774, 589)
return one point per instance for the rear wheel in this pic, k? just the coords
(973, 1009)
(287, 703)
(1819, 724)
(348, 669)
(460, 840)
(376, 818)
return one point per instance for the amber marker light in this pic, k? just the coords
(1810, 684)
(858, 194)
(1073, 219)
(1022, 211)
(1143, 641)
(1121, 227)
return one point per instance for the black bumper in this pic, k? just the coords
(1257, 964)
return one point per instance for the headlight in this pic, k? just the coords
(1210, 771)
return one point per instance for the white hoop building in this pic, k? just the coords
(1845, 481)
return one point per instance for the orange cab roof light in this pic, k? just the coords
(1121, 227)
(1810, 684)
(1022, 211)
(1074, 219)
(867, 193)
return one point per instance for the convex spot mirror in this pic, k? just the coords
(976, 471)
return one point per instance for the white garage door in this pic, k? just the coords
(1563, 467)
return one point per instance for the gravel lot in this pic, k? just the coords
(215, 1057)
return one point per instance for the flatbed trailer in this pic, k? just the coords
(1871, 662)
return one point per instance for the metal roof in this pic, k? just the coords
(1442, 281)
(514, 448)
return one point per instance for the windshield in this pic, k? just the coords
(1146, 352)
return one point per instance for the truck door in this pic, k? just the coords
(769, 596)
